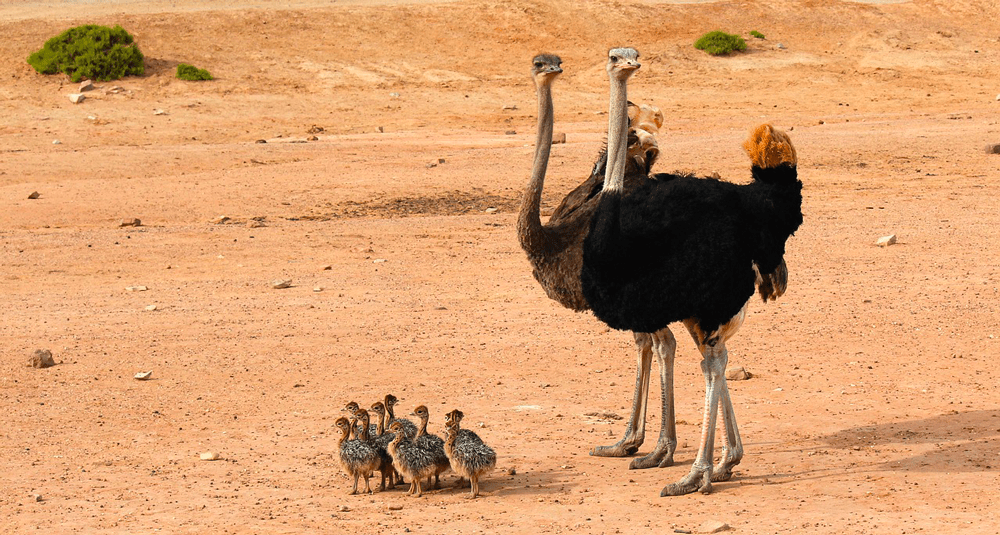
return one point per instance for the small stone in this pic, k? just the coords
(993, 148)
(36, 497)
(133, 222)
(136, 288)
(440, 160)
(513, 472)
(209, 456)
(219, 220)
(344, 509)
(253, 223)
(781, 46)
(150, 308)
(326, 267)
(738, 374)
(491, 210)
(998, 96)
(143, 376)
(886, 241)
(378, 261)
(510, 107)
(395, 507)
(159, 112)
(56, 142)
(510, 133)
(41, 358)
(86, 85)
(76, 98)
(394, 95)
(260, 141)
(432, 164)
(318, 289)
(559, 138)
(312, 138)
(281, 284)
(33, 195)
(712, 526)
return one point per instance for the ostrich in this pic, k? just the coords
(555, 251)
(679, 248)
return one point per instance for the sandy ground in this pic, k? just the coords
(874, 406)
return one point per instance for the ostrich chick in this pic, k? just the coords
(431, 443)
(410, 460)
(469, 458)
(351, 408)
(381, 441)
(408, 427)
(357, 457)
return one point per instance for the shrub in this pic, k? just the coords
(190, 72)
(720, 43)
(90, 51)
(757, 34)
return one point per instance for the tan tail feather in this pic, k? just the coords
(769, 147)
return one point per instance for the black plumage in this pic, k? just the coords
(681, 247)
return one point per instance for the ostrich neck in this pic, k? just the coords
(381, 424)
(423, 427)
(617, 135)
(529, 222)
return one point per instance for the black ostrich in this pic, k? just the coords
(680, 248)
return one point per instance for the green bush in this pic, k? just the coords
(90, 51)
(720, 43)
(757, 34)
(190, 72)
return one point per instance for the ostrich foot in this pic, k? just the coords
(724, 470)
(660, 458)
(698, 479)
(628, 445)
(462, 483)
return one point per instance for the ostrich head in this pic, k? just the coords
(545, 68)
(351, 407)
(378, 408)
(622, 62)
(421, 411)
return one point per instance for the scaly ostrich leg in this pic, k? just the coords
(635, 430)
(665, 346)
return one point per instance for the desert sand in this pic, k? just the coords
(874, 404)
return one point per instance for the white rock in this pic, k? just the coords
(318, 289)
(76, 98)
(378, 261)
(136, 288)
(218, 220)
(781, 46)
(159, 112)
(151, 308)
(86, 85)
(886, 241)
(56, 142)
(143, 376)
(491, 210)
(280, 284)
(209, 456)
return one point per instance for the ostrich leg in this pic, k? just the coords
(713, 366)
(635, 431)
(665, 346)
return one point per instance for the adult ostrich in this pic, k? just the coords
(680, 248)
(555, 251)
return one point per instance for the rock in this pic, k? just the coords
(395, 507)
(209, 456)
(133, 222)
(143, 376)
(36, 497)
(41, 358)
(781, 46)
(378, 261)
(344, 509)
(253, 223)
(326, 267)
(280, 284)
(136, 288)
(312, 138)
(998, 96)
(76, 98)
(513, 472)
(441, 160)
(993, 148)
(559, 138)
(86, 85)
(56, 142)
(712, 526)
(510, 133)
(886, 241)
(259, 141)
(219, 220)
(33, 195)
(150, 308)
(159, 112)
(491, 210)
(738, 374)
(509, 107)
(432, 164)
(318, 289)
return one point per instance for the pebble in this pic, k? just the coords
(378, 261)
(781, 46)
(491, 210)
(220, 219)
(886, 241)
(36, 497)
(56, 142)
(209, 456)
(511, 133)
(33, 195)
(159, 112)
(993, 148)
(395, 507)
(326, 267)
(76, 98)
(280, 284)
(41, 358)
(133, 222)
(559, 138)
(738, 374)
(253, 223)
(136, 288)
(143, 376)
(86, 85)
(151, 308)
(312, 138)
(712, 526)
(318, 289)
(514, 106)
(344, 509)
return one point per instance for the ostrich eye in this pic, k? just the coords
(538, 64)
(614, 59)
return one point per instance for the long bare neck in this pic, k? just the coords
(529, 221)
(363, 430)
(381, 423)
(617, 135)
(423, 426)
(346, 435)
